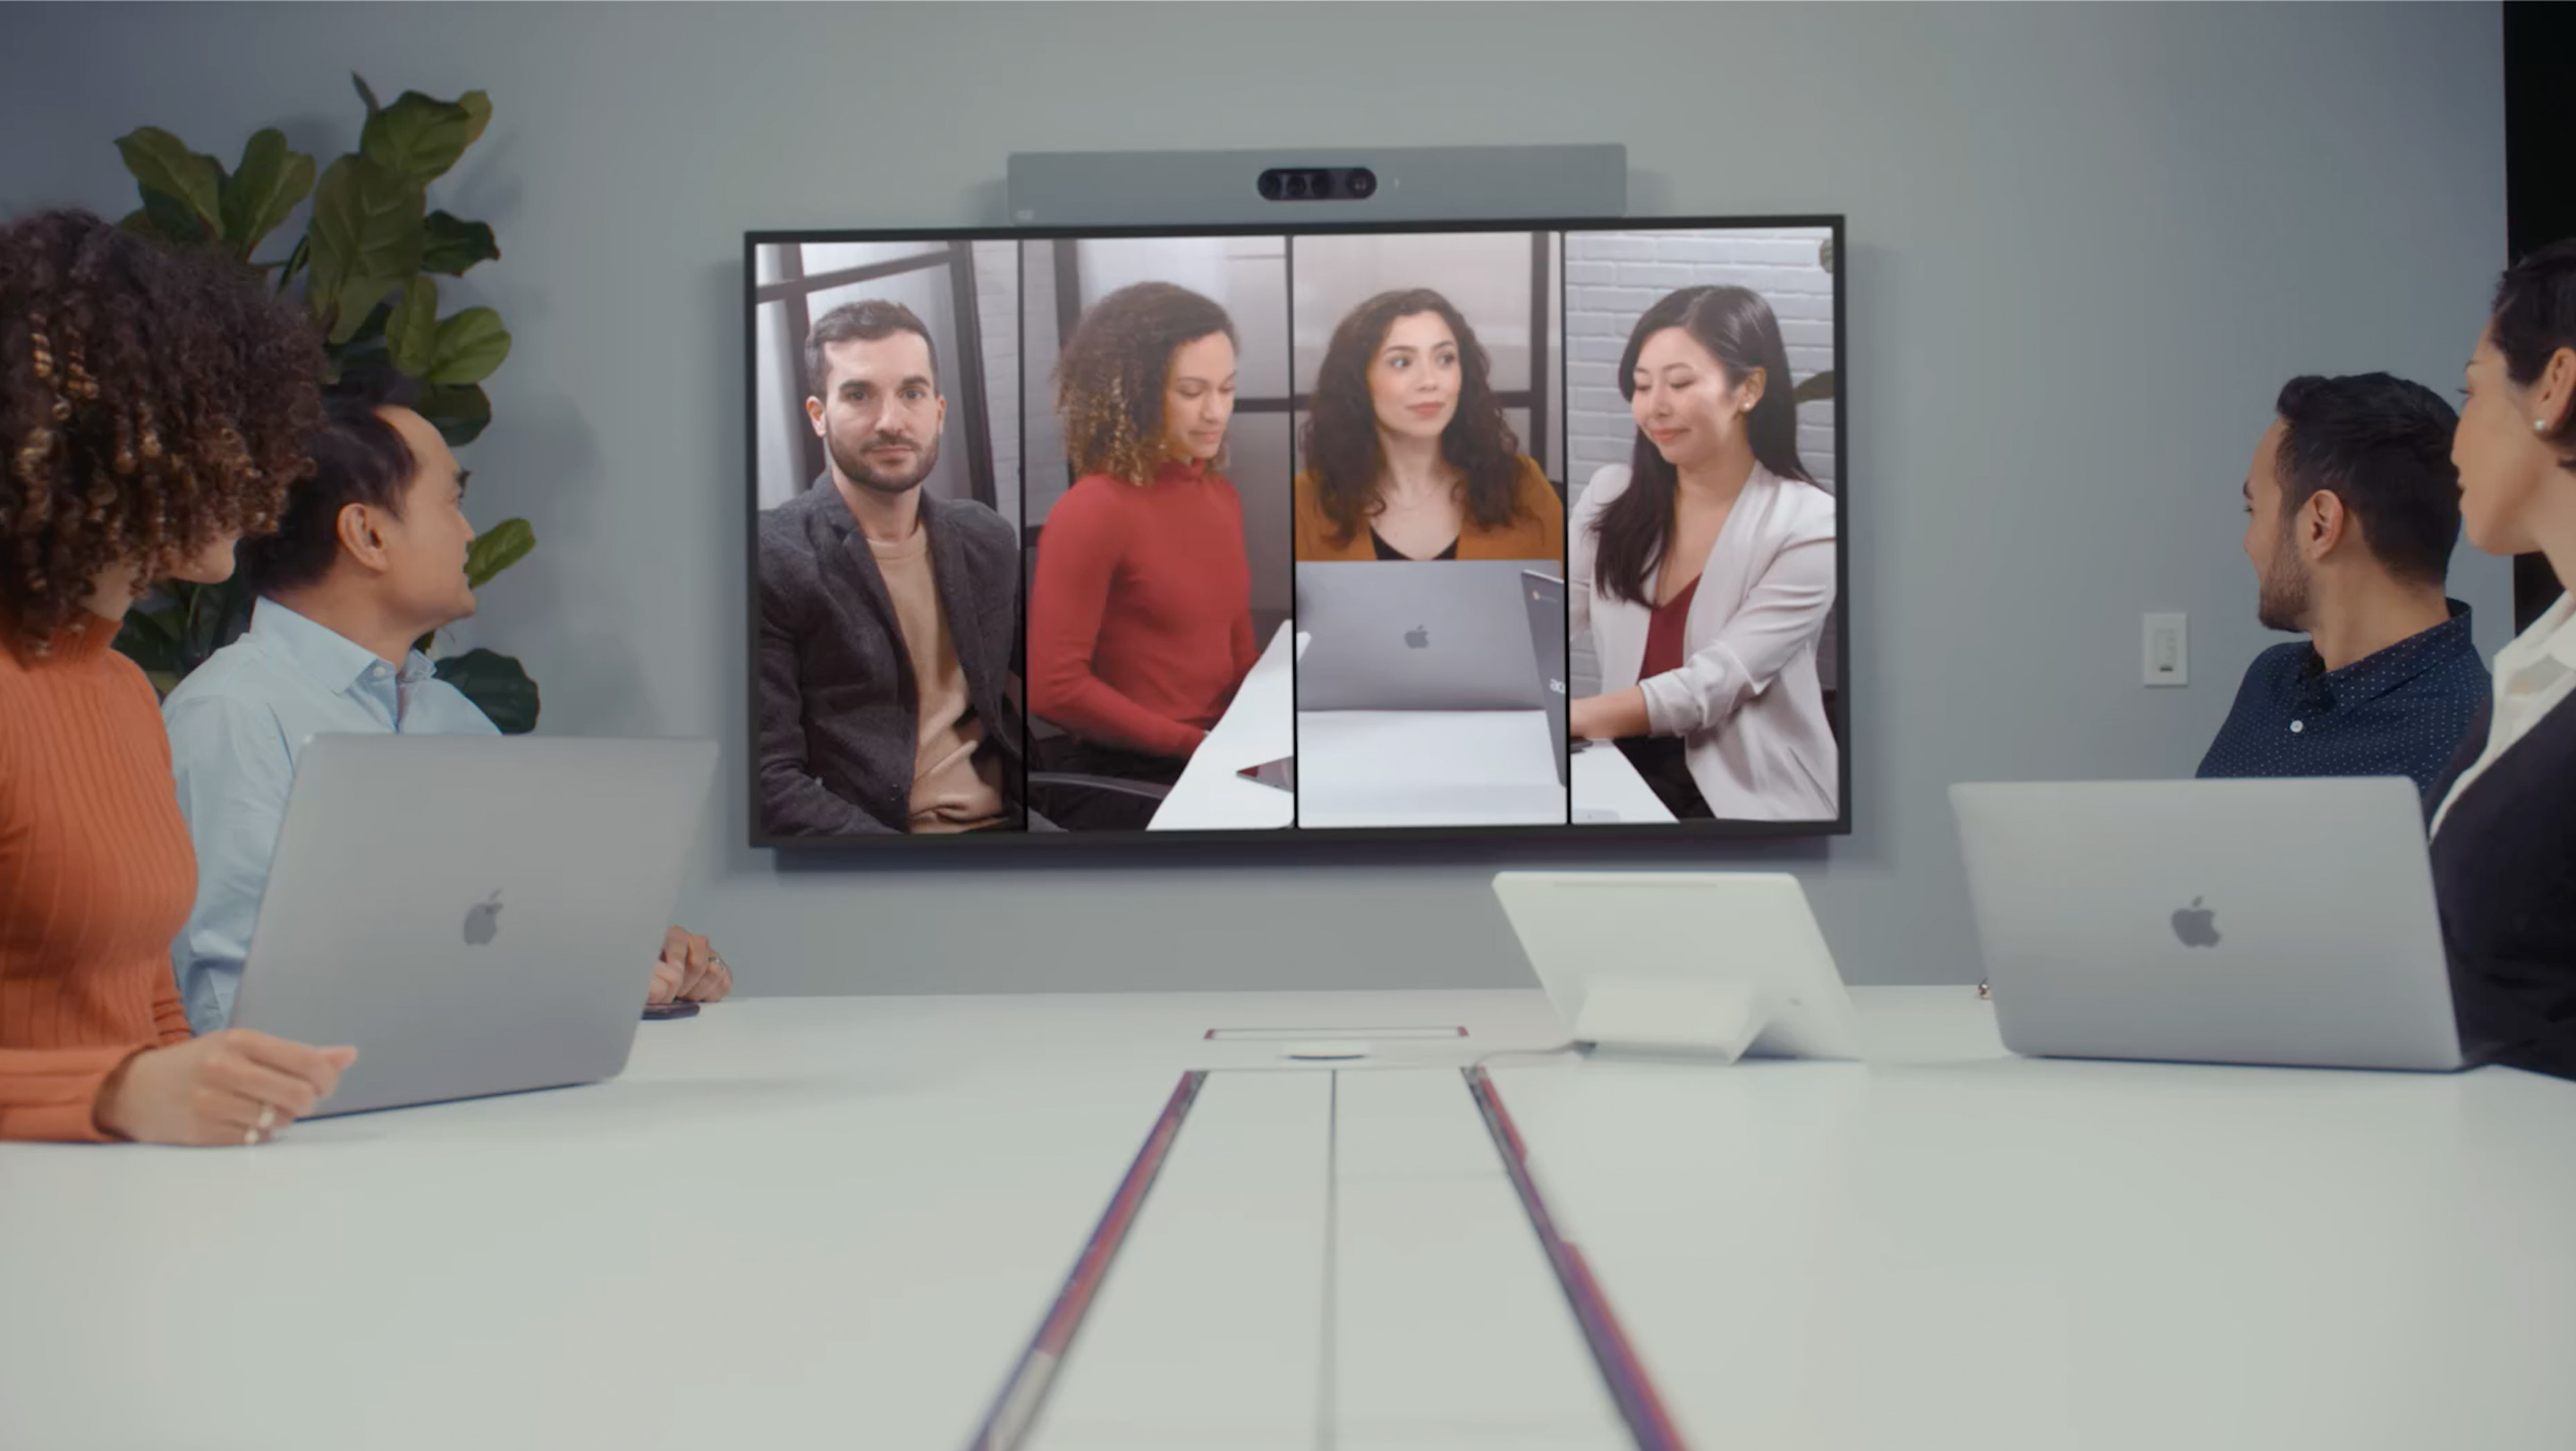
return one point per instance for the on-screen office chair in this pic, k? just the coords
(1043, 784)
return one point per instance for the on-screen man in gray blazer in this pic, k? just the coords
(887, 616)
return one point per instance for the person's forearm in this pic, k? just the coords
(1610, 717)
(1090, 707)
(793, 803)
(53, 1093)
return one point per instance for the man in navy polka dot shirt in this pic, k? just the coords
(2353, 507)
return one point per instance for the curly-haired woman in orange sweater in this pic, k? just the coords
(153, 409)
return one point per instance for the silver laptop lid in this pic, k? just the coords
(1545, 595)
(475, 914)
(2246, 921)
(1444, 634)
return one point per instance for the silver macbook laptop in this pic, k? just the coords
(2267, 921)
(1434, 634)
(1545, 594)
(476, 915)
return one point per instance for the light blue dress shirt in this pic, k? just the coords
(237, 725)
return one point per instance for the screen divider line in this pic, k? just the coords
(1631, 1388)
(1296, 660)
(1020, 559)
(1015, 1409)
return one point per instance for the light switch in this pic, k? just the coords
(2168, 650)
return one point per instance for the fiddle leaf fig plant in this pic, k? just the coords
(366, 267)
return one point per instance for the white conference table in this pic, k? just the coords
(803, 1222)
(1389, 768)
(1607, 788)
(1258, 727)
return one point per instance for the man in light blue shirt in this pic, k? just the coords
(369, 558)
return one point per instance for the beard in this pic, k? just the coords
(851, 460)
(2281, 600)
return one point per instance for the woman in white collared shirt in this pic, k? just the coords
(1705, 571)
(2504, 836)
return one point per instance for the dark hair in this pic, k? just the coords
(1109, 379)
(867, 321)
(358, 458)
(2533, 317)
(152, 399)
(2383, 446)
(1341, 440)
(1737, 328)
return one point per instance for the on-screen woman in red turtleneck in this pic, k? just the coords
(1140, 618)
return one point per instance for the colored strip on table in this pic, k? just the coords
(1023, 1394)
(1630, 1387)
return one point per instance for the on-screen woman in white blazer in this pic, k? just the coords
(1716, 490)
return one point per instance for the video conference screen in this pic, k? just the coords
(1338, 532)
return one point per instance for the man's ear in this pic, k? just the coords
(814, 415)
(360, 539)
(2324, 524)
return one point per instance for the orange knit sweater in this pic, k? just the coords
(96, 879)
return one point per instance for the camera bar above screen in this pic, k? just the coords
(1329, 532)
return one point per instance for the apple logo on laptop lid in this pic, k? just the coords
(483, 923)
(2196, 925)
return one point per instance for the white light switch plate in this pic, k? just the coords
(2168, 658)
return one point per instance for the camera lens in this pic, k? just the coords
(1270, 185)
(1297, 184)
(1362, 183)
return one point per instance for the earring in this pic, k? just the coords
(2540, 425)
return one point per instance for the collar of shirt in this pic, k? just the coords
(2376, 674)
(326, 657)
(2541, 655)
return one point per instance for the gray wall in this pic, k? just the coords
(2087, 244)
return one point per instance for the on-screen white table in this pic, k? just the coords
(1259, 726)
(1426, 768)
(1605, 781)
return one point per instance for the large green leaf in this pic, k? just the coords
(161, 219)
(496, 549)
(470, 345)
(162, 164)
(451, 246)
(478, 114)
(366, 93)
(366, 239)
(420, 137)
(267, 185)
(460, 414)
(497, 685)
(1818, 388)
(411, 330)
(364, 348)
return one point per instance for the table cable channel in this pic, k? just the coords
(1631, 1389)
(1023, 1394)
